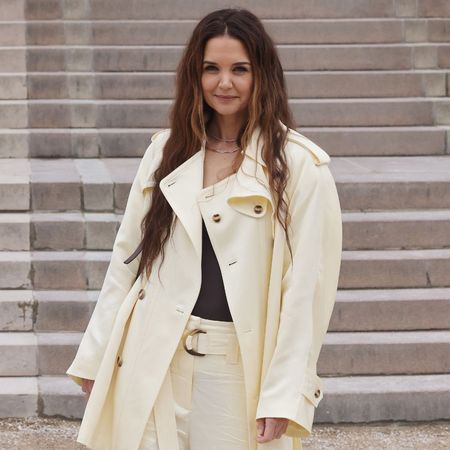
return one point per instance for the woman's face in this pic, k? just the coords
(227, 76)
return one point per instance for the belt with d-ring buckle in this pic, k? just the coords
(191, 350)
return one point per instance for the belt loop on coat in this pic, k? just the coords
(165, 421)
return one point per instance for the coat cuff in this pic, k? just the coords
(299, 407)
(76, 372)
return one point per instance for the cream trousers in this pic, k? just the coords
(208, 391)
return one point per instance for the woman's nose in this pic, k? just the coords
(225, 82)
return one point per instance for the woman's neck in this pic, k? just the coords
(224, 128)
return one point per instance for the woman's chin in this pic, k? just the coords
(223, 111)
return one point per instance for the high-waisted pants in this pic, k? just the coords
(208, 391)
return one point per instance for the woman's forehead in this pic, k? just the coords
(225, 47)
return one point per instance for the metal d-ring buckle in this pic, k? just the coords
(191, 350)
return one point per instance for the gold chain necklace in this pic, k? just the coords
(222, 150)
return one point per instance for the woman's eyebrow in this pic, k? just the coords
(235, 64)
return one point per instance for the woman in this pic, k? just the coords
(224, 271)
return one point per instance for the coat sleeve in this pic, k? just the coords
(291, 387)
(119, 277)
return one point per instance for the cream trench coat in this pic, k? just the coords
(281, 311)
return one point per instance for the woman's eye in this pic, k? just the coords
(238, 69)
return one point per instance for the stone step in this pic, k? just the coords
(396, 229)
(359, 270)
(58, 231)
(66, 184)
(395, 269)
(13, 86)
(77, 231)
(19, 396)
(355, 399)
(371, 230)
(15, 231)
(163, 58)
(85, 113)
(381, 353)
(177, 32)
(343, 353)
(53, 270)
(178, 9)
(386, 183)
(355, 310)
(48, 396)
(64, 310)
(18, 310)
(13, 59)
(59, 395)
(27, 310)
(74, 184)
(132, 142)
(56, 351)
(144, 85)
(391, 310)
(12, 10)
(360, 399)
(119, 9)
(30, 354)
(19, 354)
(94, 185)
(14, 185)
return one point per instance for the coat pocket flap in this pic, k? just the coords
(312, 388)
(250, 205)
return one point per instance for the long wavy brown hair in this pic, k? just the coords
(267, 106)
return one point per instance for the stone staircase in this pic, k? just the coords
(85, 83)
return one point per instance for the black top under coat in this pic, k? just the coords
(212, 301)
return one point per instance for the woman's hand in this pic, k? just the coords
(86, 386)
(269, 428)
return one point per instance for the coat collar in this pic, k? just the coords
(183, 187)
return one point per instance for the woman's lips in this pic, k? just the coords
(225, 99)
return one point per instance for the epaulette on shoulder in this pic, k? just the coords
(320, 156)
(158, 133)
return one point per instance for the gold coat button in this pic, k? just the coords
(119, 361)
(258, 209)
(141, 294)
(317, 393)
(216, 217)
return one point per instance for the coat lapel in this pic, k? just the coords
(181, 188)
(183, 185)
